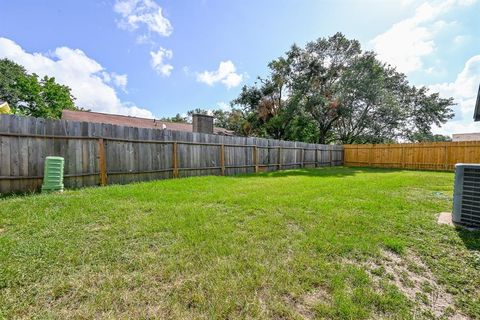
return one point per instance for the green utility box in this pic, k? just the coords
(53, 175)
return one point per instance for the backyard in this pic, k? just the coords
(332, 243)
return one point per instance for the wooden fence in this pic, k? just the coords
(424, 156)
(101, 154)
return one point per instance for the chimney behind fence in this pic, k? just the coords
(202, 123)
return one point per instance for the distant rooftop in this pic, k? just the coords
(129, 121)
(474, 136)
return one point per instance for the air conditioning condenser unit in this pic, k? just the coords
(466, 197)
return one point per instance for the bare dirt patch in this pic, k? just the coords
(305, 304)
(415, 280)
(294, 227)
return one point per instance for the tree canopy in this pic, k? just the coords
(27, 94)
(332, 91)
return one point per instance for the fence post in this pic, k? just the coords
(175, 159)
(222, 158)
(403, 157)
(330, 155)
(279, 158)
(303, 157)
(446, 156)
(370, 155)
(102, 162)
(255, 158)
(316, 156)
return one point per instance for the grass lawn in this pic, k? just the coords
(334, 243)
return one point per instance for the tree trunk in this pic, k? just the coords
(322, 138)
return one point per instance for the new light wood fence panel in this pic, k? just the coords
(425, 156)
(101, 154)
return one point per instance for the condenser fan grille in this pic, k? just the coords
(467, 194)
(471, 196)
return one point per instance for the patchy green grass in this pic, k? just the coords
(292, 244)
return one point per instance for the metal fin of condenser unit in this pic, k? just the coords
(476, 115)
(466, 197)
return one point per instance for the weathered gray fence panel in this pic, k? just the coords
(263, 154)
(139, 154)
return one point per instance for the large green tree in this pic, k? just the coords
(27, 94)
(178, 118)
(332, 91)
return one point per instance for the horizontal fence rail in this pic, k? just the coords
(101, 154)
(440, 156)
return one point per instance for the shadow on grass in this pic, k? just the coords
(318, 172)
(471, 239)
(336, 171)
(5, 196)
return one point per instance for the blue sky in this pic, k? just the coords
(158, 58)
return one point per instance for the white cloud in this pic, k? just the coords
(406, 2)
(407, 42)
(464, 90)
(147, 13)
(225, 74)
(158, 61)
(142, 12)
(224, 106)
(120, 80)
(85, 76)
(186, 70)
(461, 39)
